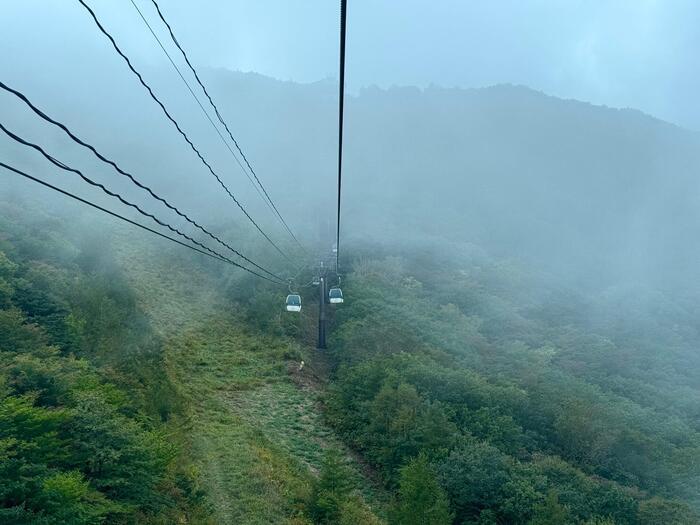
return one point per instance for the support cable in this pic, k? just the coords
(341, 99)
(177, 126)
(121, 199)
(216, 109)
(133, 179)
(134, 223)
(189, 88)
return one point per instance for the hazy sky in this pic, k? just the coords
(622, 53)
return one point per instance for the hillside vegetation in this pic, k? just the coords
(133, 393)
(471, 397)
(518, 343)
(517, 404)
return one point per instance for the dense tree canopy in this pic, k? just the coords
(522, 416)
(82, 399)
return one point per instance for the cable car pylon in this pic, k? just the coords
(322, 313)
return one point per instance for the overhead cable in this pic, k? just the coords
(196, 98)
(341, 99)
(177, 126)
(121, 199)
(133, 179)
(216, 109)
(134, 223)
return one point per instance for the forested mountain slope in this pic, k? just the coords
(522, 407)
(518, 343)
(457, 375)
(134, 389)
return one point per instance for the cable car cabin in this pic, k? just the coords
(335, 295)
(294, 303)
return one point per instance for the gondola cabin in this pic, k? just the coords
(335, 296)
(293, 303)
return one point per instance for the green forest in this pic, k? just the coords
(144, 389)
(519, 338)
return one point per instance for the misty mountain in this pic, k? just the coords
(589, 192)
(565, 184)
(521, 275)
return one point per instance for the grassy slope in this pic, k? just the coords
(254, 430)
